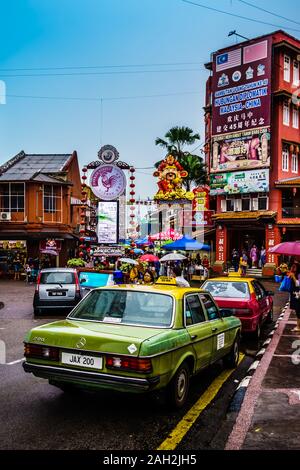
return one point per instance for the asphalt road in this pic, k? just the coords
(35, 415)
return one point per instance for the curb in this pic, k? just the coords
(239, 394)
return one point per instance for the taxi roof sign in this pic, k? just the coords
(166, 280)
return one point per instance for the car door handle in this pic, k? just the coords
(193, 336)
(214, 329)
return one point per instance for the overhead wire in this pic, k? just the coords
(268, 11)
(238, 16)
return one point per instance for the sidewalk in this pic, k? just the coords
(269, 418)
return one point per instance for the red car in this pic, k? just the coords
(245, 298)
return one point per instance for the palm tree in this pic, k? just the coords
(176, 139)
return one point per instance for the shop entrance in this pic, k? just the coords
(244, 239)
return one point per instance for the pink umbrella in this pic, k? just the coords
(286, 248)
(150, 258)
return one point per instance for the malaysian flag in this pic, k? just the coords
(228, 60)
(256, 51)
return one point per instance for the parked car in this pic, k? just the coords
(245, 298)
(56, 289)
(134, 338)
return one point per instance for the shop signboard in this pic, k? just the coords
(107, 228)
(50, 244)
(241, 106)
(105, 250)
(13, 244)
(240, 182)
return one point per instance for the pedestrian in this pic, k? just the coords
(235, 259)
(294, 276)
(180, 281)
(17, 267)
(253, 256)
(243, 263)
(262, 258)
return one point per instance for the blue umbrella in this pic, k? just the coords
(186, 243)
(138, 251)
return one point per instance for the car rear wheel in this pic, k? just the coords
(178, 388)
(232, 359)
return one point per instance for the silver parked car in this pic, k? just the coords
(56, 289)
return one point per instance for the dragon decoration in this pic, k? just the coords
(170, 175)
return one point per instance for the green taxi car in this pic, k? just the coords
(134, 338)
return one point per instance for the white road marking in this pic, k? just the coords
(15, 362)
(253, 366)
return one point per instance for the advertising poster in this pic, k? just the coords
(241, 104)
(107, 230)
(243, 150)
(240, 182)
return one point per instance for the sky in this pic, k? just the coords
(118, 72)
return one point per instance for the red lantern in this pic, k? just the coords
(132, 178)
(81, 254)
(132, 193)
(82, 239)
(132, 185)
(132, 170)
(84, 169)
(132, 200)
(84, 177)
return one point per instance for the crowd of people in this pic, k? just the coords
(253, 258)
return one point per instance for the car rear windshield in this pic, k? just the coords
(57, 278)
(127, 307)
(228, 289)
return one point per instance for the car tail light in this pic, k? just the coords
(129, 363)
(242, 312)
(77, 283)
(38, 282)
(38, 351)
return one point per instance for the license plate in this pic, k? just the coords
(81, 360)
(57, 293)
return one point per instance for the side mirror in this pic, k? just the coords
(82, 280)
(224, 312)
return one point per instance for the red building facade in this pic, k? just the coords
(253, 145)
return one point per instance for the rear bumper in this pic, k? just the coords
(49, 304)
(249, 324)
(88, 378)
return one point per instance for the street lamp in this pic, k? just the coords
(231, 33)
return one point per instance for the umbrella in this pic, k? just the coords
(49, 252)
(138, 251)
(128, 260)
(286, 248)
(173, 257)
(186, 243)
(150, 258)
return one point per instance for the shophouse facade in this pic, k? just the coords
(253, 145)
(40, 198)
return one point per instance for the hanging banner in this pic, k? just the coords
(107, 227)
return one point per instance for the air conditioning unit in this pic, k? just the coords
(5, 216)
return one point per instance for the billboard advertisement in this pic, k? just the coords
(242, 150)
(240, 182)
(241, 94)
(107, 228)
